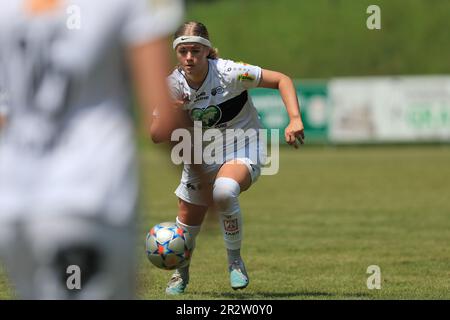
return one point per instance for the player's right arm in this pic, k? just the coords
(149, 63)
(177, 111)
(149, 77)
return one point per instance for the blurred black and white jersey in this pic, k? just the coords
(68, 146)
(69, 135)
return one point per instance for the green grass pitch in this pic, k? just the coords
(311, 231)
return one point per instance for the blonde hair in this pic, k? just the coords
(194, 28)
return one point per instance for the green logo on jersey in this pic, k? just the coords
(209, 116)
(246, 77)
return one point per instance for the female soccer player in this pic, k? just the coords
(213, 92)
(68, 185)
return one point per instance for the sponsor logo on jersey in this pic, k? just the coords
(246, 77)
(215, 115)
(209, 116)
(201, 96)
(217, 90)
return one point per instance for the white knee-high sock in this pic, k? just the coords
(225, 194)
(193, 231)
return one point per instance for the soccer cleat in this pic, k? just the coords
(177, 283)
(238, 275)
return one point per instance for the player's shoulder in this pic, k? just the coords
(224, 65)
(176, 76)
(177, 83)
(227, 66)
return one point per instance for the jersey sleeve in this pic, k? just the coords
(241, 76)
(175, 90)
(147, 20)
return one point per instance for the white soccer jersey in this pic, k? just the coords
(68, 145)
(222, 102)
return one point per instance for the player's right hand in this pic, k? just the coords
(179, 104)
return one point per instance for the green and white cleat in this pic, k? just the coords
(238, 275)
(177, 283)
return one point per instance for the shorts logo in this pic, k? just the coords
(231, 225)
(209, 116)
(190, 186)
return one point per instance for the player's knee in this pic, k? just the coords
(225, 193)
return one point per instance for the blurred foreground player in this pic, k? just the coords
(68, 183)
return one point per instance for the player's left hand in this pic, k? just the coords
(294, 133)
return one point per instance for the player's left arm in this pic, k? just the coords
(276, 80)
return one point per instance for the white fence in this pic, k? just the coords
(389, 109)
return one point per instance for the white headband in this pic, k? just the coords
(196, 39)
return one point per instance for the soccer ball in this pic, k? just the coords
(168, 246)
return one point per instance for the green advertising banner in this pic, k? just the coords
(313, 98)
